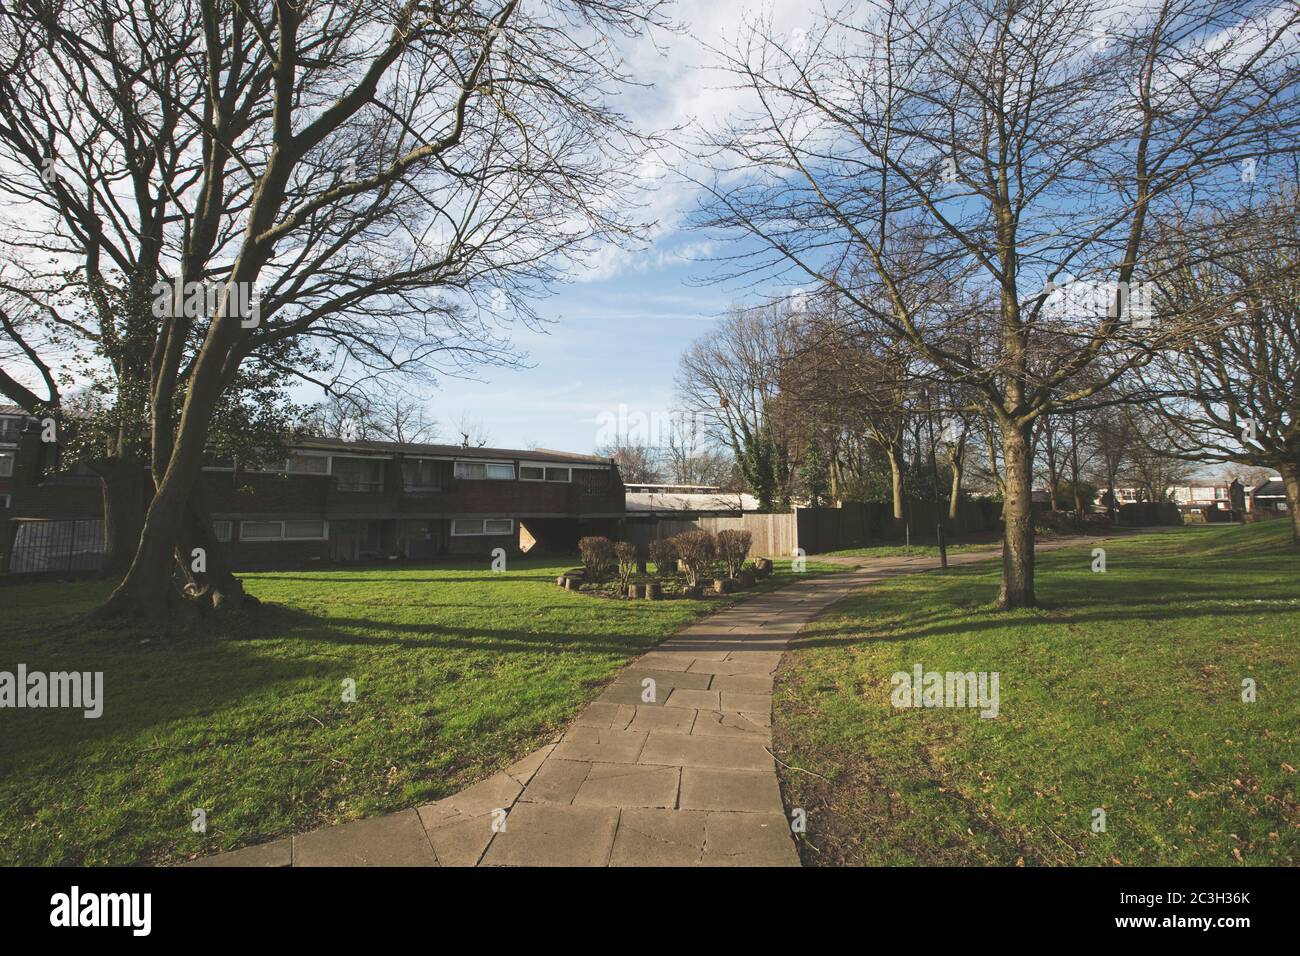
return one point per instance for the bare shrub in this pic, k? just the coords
(664, 555)
(733, 549)
(625, 554)
(696, 550)
(597, 557)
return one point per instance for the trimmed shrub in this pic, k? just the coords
(625, 554)
(733, 549)
(597, 557)
(664, 554)
(696, 551)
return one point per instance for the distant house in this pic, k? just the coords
(1268, 497)
(1219, 496)
(331, 500)
(1225, 498)
(685, 502)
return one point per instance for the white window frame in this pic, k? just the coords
(417, 489)
(482, 524)
(5, 501)
(244, 537)
(329, 467)
(230, 530)
(487, 466)
(12, 459)
(324, 536)
(324, 530)
(364, 491)
(568, 473)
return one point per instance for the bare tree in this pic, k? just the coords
(638, 463)
(393, 179)
(1226, 392)
(730, 381)
(361, 417)
(1001, 148)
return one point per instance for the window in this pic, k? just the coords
(6, 464)
(306, 530)
(307, 465)
(460, 527)
(10, 428)
(539, 473)
(359, 474)
(478, 470)
(261, 530)
(221, 530)
(4, 502)
(421, 475)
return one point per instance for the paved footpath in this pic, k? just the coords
(685, 778)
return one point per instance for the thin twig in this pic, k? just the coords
(800, 769)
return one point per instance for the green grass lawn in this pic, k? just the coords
(1123, 692)
(912, 550)
(458, 671)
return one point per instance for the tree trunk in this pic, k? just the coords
(215, 587)
(1291, 479)
(955, 497)
(896, 482)
(1018, 516)
(1050, 442)
(123, 489)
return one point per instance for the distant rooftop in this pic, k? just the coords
(448, 451)
(720, 502)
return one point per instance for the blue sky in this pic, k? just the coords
(616, 333)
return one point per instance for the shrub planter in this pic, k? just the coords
(636, 590)
(745, 579)
(653, 591)
(722, 585)
(694, 591)
(762, 567)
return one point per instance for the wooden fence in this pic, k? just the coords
(818, 530)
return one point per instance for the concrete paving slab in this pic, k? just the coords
(397, 839)
(743, 683)
(606, 716)
(732, 700)
(543, 834)
(743, 790)
(276, 853)
(600, 746)
(664, 720)
(462, 843)
(557, 781)
(723, 753)
(695, 699)
(659, 838)
(748, 839)
(717, 723)
(629, 785)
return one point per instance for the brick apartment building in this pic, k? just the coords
(330, 501)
